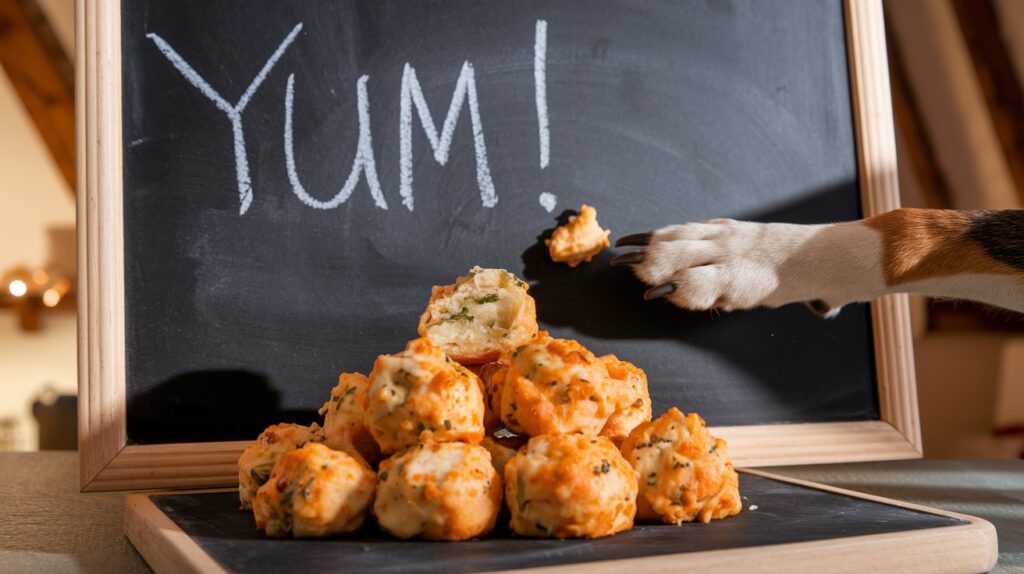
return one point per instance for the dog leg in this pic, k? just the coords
(976, 255)
(727, 264)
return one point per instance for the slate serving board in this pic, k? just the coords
(785, 513)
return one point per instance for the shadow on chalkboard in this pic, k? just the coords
(595, 298)
(220, 405)
(604, 301)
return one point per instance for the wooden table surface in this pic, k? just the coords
(46, 525)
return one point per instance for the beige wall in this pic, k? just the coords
(30, 362)
(34, 198)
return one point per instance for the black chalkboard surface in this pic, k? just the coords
(255, 272)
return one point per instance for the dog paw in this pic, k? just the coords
(717, 264)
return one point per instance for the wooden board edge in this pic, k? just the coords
(192, 465)
(81, 214)
(862, 495)
(815, 443)
(164, 546)
(879, 182)
(972, 547)
(179, 465)
(101, 374)
(951, 549)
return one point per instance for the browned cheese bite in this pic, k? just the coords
(501, 451)
(345, 422)
(438, 491)
(570, 486)
(555, 386)
(481, 315)
(579, 240)
(685, 473)
(628, 387)
(314, 491)
(258, 460)
(420, 395)
(492, 375)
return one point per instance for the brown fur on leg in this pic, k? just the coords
(922, 244)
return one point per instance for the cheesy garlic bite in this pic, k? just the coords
(481, 315)
(684, 472)
(420, 395)
(258, 460)
(314, 491)
(345, 421)
(579, 240)
(555, 386)
(501, 452)
(492, 375)
(570, 486)
(628, 387)
(438, 491)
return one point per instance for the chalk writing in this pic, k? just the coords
(540, 85)
(234, 112)
(412, 93)
(363, 163)
(548, 201)
(540, 82)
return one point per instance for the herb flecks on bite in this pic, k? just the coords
(479, 317)
(462, 315)
(489, 298)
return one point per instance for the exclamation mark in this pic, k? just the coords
(540, 48)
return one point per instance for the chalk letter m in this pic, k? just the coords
(412, 93)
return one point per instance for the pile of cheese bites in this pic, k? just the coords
(482, 408)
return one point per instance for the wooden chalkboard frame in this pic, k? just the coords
(108, 462)
(970, 547)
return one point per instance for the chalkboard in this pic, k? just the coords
(255, 271)
(785, 513)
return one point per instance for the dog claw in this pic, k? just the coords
(659, 291)
(634, 239)
(627, 258)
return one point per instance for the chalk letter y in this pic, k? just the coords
(234, 112)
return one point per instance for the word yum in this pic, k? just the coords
(364, 164)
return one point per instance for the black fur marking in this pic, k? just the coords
(1001, 235)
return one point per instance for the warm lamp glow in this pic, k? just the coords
(17, 288)
(40, 277)
(51, 297)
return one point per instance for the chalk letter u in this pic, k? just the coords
(363, 163)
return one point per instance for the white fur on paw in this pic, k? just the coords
(723, 264)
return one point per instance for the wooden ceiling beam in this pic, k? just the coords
(979, 23)
(43, 77)
(910, 125)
